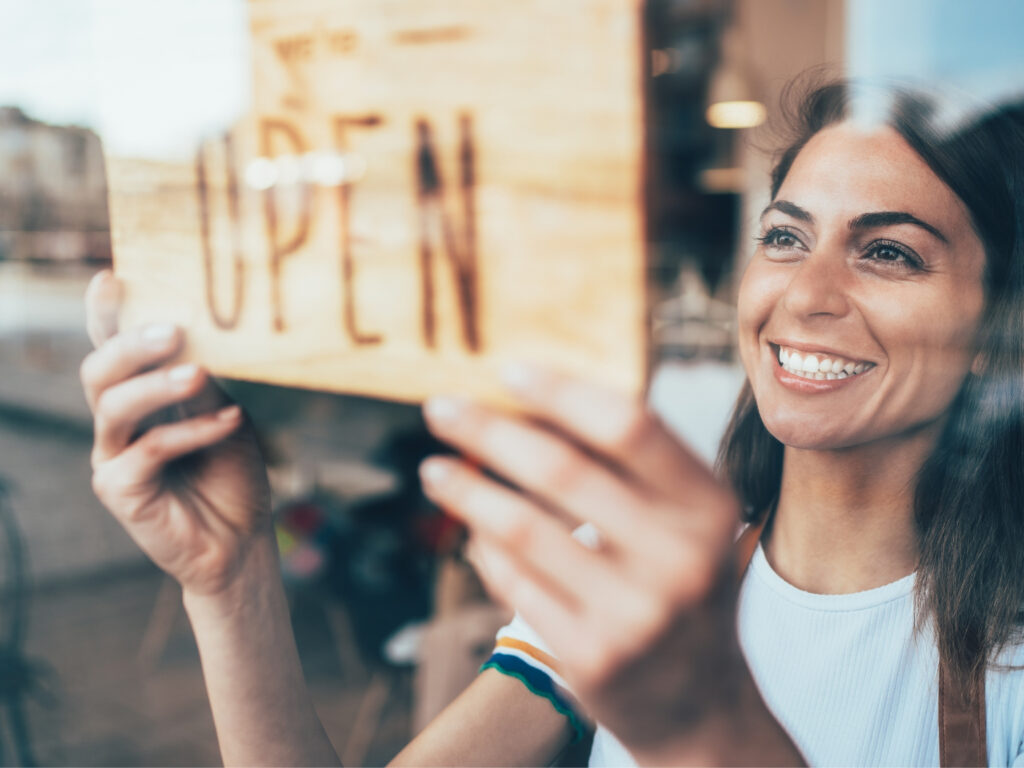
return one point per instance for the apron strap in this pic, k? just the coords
(961, 726)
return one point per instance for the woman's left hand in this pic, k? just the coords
(643, 625)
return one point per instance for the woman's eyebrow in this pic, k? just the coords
(790, 209)
(888, 218)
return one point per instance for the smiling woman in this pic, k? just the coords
(897, 250)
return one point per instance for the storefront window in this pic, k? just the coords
(304, 185)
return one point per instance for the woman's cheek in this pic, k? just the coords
(757, 297)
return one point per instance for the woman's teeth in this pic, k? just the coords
(818, 366)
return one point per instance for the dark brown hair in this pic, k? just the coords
(969, 500)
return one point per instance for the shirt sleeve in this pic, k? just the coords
(519, 652)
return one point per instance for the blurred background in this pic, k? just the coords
(97, 664)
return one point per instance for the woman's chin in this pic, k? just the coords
(805, 434)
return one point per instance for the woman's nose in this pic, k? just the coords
(817, 287)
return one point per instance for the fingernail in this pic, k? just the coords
(180, 373)
(443, 410)
(519, 377)
(159, 332)
(230, 413)
(434, 472)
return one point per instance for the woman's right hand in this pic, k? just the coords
(192, 492)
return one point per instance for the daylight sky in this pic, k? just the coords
(149, 75)
(970, 45)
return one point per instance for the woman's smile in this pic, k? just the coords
(819, 364)
(809, 369)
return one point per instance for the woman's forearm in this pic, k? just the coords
(261, 706)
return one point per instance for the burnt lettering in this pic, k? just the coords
(294, 48)
(342, 41)
(278, 249)
(348, 265)
(431, 35)
(461, 250)
(446, 223)
(229, 320)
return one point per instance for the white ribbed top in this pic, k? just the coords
(845, 674)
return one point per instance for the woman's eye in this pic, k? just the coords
(780, 239)
(892, 254)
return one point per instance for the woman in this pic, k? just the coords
(892, 257)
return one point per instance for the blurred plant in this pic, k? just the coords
(304, 538)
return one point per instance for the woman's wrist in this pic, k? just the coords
(261, 708)
(257, 571)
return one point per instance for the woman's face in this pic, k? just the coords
(870, 272)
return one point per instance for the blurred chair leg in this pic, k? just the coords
(161, 622)
(367, 719)
(20, 734)
(340, 626)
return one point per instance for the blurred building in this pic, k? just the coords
(53, 195)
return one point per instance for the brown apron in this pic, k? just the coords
(961, 726)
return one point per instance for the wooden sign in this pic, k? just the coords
(422, 191)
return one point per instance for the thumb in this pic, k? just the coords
(102, 306)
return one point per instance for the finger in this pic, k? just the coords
(121, 409)
(528, 534)
(209, 398)
(102, 306)
(545, 465)
(612, 424)
(134, 469)
(126, 355)
(643, 530)
(564, 631)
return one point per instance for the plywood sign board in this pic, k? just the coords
(421, 191)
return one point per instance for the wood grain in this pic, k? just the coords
(450, 185)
